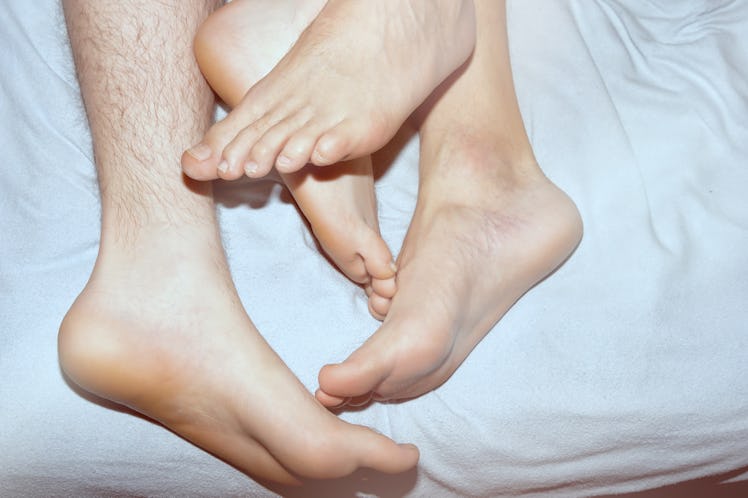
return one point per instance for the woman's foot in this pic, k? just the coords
(235, 47)
(488, 226)
(341, 207)
(160, 328)
(477, 242)
(345, 87)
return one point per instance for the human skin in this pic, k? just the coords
(235, 48)
(324, 102)
(159, 326)
(488, 225)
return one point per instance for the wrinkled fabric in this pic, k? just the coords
(625, 370)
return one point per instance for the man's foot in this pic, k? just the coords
(235, 47)
(482, 234)
(160, 328)
(345, 87)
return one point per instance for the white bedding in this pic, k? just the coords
(625, 370)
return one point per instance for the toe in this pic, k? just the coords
(265, 151)
(230, 169)
(237, 153)
(349, 139)
(298, 150)
(354, 269)
(328, 400)
(359, 401)
(342, 448)
(380, 453)
(332, 147)
(379, 306)
(199, 163)
(205, 161)
(379, 262)
(201, 160)
(384, 287)
(358, 375)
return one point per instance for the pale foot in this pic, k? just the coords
(344, 88)
(341, 207)
(159, 328)
(483, 233)
(235, 47)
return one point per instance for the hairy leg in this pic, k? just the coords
(488, 226)
(159, 326)
(235, 47)
(345, 87)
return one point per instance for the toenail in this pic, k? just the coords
(283, 161)
(319, 160)
(223, 166)
(251, 168)
(358, 401)
(339, 405)
(201, 152)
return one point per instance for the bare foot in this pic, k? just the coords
(341, 207)
(470, 253)
(345, 87)
(488, 226)
(160, 328)
(235, 47)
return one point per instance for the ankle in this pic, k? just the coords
(157, 254)
(480, 158)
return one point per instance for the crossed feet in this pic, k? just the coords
(310, 93)
(478, 207)
(486, 228)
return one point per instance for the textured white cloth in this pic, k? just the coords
(625, 370)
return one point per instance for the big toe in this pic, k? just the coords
(198, 162)
(332, 147)
(380, 453)
(358, 375)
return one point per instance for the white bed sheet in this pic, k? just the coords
(625, 370)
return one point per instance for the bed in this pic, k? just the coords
(624, 372)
